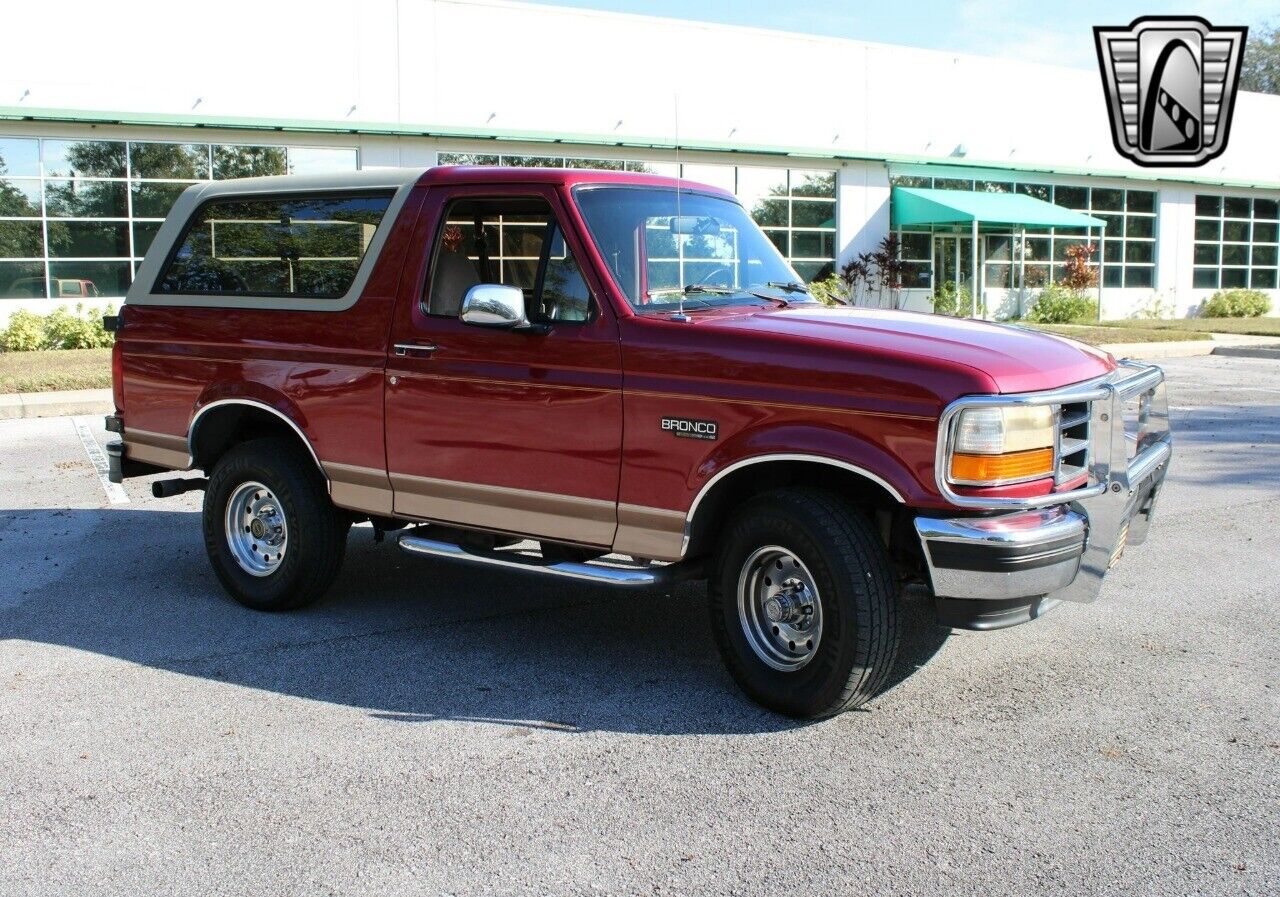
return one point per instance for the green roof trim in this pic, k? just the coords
(316, 126)
(917, 205)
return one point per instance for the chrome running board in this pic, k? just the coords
(592, 572)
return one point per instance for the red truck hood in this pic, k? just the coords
(1014, 358)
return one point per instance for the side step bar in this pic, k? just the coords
(593, 572)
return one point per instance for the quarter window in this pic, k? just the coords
(305, 247)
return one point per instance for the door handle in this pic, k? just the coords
(415, 350)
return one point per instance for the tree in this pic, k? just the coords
(1260, 70)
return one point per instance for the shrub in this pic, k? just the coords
(60, 329)
(950, 299)
(1077, 274)
(25, 332)
(1236, 304)
(830, 290)
(1058, 304)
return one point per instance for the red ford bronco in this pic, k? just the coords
(616, 379)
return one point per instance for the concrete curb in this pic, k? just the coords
(20, 405)
(1157, 351)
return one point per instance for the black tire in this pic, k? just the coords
(856, 587)
(316, 530)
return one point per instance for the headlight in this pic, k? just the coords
(1003, 444)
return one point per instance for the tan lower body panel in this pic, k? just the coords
(159, 449)
(564, 518)
(650, 533)
(355, 488)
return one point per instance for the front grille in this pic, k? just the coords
(1073, 440)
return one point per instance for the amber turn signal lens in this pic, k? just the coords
(992, 469)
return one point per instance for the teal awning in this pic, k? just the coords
(917, 205)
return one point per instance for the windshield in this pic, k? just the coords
(707, 251)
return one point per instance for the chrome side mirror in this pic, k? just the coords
(494, 305)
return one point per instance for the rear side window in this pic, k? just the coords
(306, 247)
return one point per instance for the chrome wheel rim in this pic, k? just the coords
(257, 532)
(780, 608)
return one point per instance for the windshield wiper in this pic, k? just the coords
(789, 286)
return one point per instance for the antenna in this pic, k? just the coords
(679, 315)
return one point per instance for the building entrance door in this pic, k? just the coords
(953, 264)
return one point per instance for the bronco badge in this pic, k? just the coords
(689, 428)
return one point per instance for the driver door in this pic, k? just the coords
(515, 431)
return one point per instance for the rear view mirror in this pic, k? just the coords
(697, 225)
(496, 305)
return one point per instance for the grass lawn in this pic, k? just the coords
(1254, 326)
(1100, 335)
(55, 369)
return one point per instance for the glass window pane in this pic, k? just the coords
(1113, 276)
(992, 187)
(1139, 252)
(1208, 230)
(1205, 279)
(1037, 275)
(1108, 199)
(713, 175)
(813, 244)
(144, 232)
(21, 239)
(757, 189)
(1265, 208)
(914, 245)
(308, 246)
(85, 199)
(1140, 226)
(19, 157)
(231, 161)
(911, 181)
(1264, 255)
(153, 200)
(1264, 232)
(88, 239)
(1235, 231)
(1263, 279)
(999, 248)
(818, 184)
(1235, 254)
(952, 184)
(180, 161)
(811, 271)
(1234, 277)
(22, 280)
(1072, 197)
(319, 159)
(997, 276)
(19, 198)
(534, 161)
(467, 159)
(1036, 248)
(1206, 254)
(915, 275)
(1141, 276)
(1209, 206)
(666, 169)
(1235, 207)
(84, 158)
(1140, 201)
(1113, 250)
(596, 164)
(779, 238)
(769, 212)
(87, 280)
(1115, 224)
(813, 213)
(1039, 191)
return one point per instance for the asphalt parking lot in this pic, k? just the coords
(428, 728)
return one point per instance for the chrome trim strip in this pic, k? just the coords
(195, 420)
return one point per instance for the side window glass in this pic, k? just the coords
(565, 296)
(515, 242)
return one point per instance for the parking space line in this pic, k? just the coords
(98, 458)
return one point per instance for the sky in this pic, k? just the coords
(1057, 33)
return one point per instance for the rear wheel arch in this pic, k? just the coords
(224, 423)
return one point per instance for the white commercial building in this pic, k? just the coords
(103, 123)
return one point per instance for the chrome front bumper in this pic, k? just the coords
(1059, 547)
